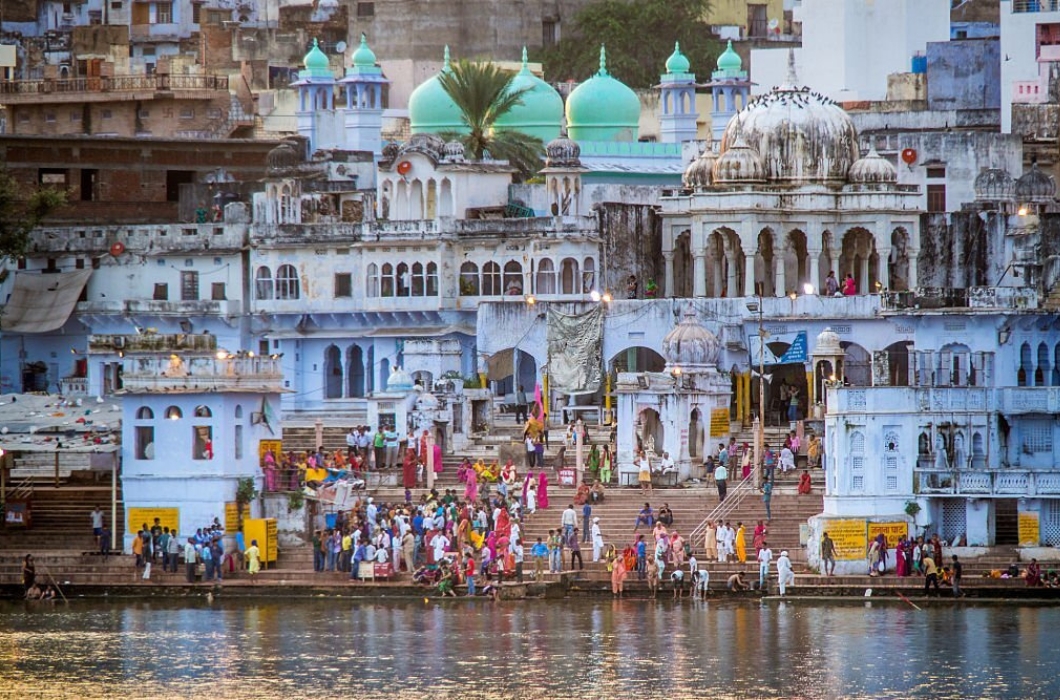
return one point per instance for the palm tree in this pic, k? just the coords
(481, 91)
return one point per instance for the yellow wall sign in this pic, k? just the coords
(849, 538)
(136, 517)
(231, 517)
(892, 531)
(719, 422)
(1028, 529)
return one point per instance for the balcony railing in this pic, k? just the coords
(926, 298)
(1035, 5)
(992, 482)
(118, 83)
(176, 374)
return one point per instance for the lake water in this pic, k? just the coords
(331, 647)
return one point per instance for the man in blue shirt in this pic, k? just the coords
(642, 558)
(540, 553)
(587, 511)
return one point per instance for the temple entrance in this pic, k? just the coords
(696, 435)
(857, 365)
(649, 432)
(637, 359)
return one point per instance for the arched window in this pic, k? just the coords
(373, 280)
(404, 280)
(1042, 371)
(469, 280)
(513, 278)
(569, 277)
(203, 412)
(1025, 371)
(287, 286)
(417, 279)
(491, 279)
(588, 276)
(332, 373)
(144, 413)
(239, 412)
(263, 288)
(386, 280)
(432, 279)
(546, 277)
(174, 413)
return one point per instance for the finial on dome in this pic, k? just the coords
(677, 47)
(445, 58)
(603, 60)
(526, 59)
(793, 78)
(316, 44)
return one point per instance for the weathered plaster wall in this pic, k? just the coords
(632, 245)
(964, 74)
(962, 249)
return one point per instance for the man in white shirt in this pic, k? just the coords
(372, 513)
(351, 441)
(765, 555)
(516, 548)
(568, 520)
(666, 465)
(785, 574)
(440, 544)
(597, 538)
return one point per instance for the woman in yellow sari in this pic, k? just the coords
(741, 544)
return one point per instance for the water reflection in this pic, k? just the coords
(572, 649)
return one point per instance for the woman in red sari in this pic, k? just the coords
(901, 561)
(408, 469)
(805, 486)
(759, 537)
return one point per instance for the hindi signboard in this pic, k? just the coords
(849, 537)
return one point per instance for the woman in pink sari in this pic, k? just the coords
(471, 487)
(759, 536)
(437, 458)
(542, 490)
(270, 471)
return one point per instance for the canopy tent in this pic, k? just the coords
(41, 303)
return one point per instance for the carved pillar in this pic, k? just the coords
(731, 277)
(881, 270)
(779, 278)
(815, 270)
(718, 276)
(699, 274)
(668, 275)
(749, 275)
(912, 281)
(864, 286)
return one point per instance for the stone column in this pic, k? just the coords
(780, 279)
(881, 269)
(699, 275)
(668, 275)
(749, 275)
(815, 270)
(716, 281)
(730, 282)
(863, 276)
(912, 281)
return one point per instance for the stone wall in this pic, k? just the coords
(632, 243)
(964, 74)
(962, 249)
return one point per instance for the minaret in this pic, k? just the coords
(316, 117)
(730, 88)
(363, 113)
(678, 87)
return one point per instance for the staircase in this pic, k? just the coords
(61, 519)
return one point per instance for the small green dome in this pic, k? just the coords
(729, 60)
(541, 111)
(431, 110)
(315, 61)
(364, 57)
(678, 62)
(603, 108)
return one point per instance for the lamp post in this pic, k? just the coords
(760, 421)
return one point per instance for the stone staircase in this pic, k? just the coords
(61, 519)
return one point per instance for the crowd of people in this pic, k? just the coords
(203, 552)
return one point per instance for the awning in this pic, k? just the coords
(41, 303)
(780, 349)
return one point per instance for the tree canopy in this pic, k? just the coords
(639, 35)
(482, 92)
(21, 212)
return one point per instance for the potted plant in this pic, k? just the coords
(651, 289)
(246, 491)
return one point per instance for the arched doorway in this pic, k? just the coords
(796, 262)
(649, 432)
(637, 359)
(898, 362)
(683, 267)
(332, 373)
(765, 264)
(696, 436)
(355, 371)
(725, 264)
(859, 259)
(857, 365)
(508, 368)
(898, 262)
(823, 372)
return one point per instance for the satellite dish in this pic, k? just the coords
(774, 23)
(340, 47)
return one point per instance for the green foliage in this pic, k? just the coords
(639, 36)
(481, 93)
(295, 500)
(912, 508)
(21, 212)
(246, 491)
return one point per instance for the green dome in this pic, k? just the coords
(541, 111)
(677, 63)
(315, 61)
(431, 110)
(364, 57)
(603, 108)
(729, 60)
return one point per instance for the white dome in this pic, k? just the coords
(994, 185)
(739, 163)
(872, 169)
(689, 344)
(828, 344)
(800, 135)
(700, 172)
(399, 380)
(427, 401)
(1035, 187)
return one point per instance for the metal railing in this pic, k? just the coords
(732, 501)
(118, 83)
(1035, 5)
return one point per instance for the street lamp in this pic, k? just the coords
(760, 422)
